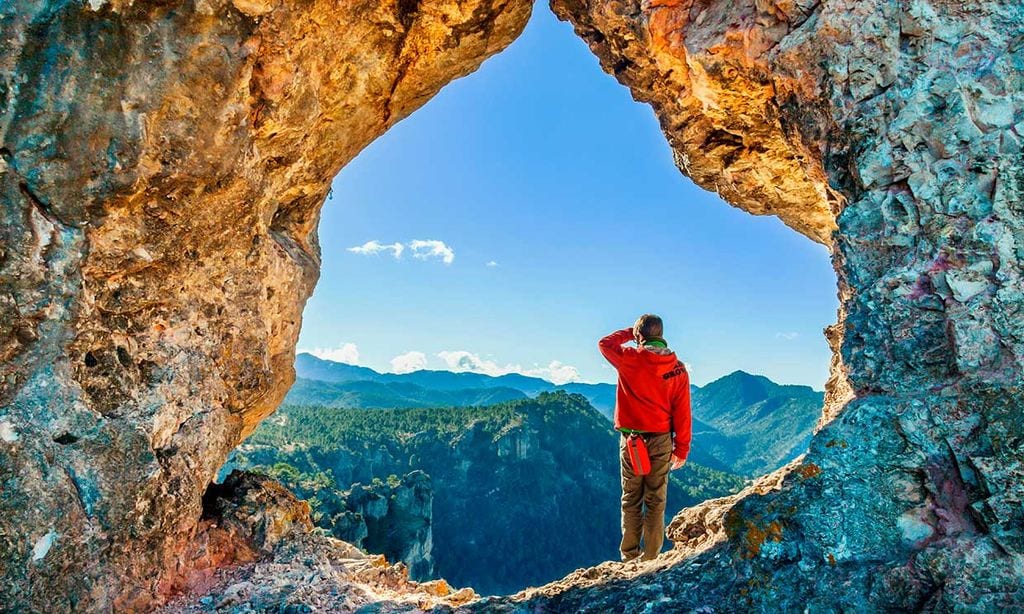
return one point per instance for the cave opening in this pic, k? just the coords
(473, 242)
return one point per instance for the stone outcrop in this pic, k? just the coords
(163, 164)
(256, 550)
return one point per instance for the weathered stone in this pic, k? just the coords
(256, 550)
(392, 518)
(162, 166)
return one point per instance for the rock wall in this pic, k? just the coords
(162, 165)
(161, 168)
(890, 131)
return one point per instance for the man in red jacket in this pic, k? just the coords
(652, 402)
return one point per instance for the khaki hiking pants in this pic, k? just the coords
(643, 499)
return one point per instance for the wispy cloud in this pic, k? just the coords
(409, 362)
(556, 372)
(347, 353)
(460, 360)
(492, 264)
(425, 249)
(371, 248)
(787, 336)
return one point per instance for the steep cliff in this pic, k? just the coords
(391, 516)
(508, 482)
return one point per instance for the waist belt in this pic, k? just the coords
(644, 436)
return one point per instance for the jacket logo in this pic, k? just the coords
(679, 370)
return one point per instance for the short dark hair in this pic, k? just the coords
(650, 326)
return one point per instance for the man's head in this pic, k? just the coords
(647, 327)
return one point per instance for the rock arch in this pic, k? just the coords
(163, 167)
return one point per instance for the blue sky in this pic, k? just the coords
(548, 213)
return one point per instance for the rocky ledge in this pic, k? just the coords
(257, 551)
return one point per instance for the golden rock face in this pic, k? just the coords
(708, 69)
(163, 170)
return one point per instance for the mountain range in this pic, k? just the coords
(742, 423)
(395, 463)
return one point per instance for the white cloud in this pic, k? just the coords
(787, 336)
(409, 362)
(461, 360)
(492, 264)
(347, 353)
(371, 248)
(432, 248)
(423, 249)
(556, 372)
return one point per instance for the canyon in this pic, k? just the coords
(162, 168)
(497, 498)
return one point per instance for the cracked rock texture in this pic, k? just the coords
(162, 168)
(162, 165)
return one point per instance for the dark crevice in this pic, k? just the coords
(44, 209)
(78, 489)
(211, 497)
(621, 65)
(407, 10)
(406, 15)
(403, 67)
(65, 439)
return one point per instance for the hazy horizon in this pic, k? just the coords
(389, 372)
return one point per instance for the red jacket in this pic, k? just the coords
(654, 390)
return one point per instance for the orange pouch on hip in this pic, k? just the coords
(636, 447)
